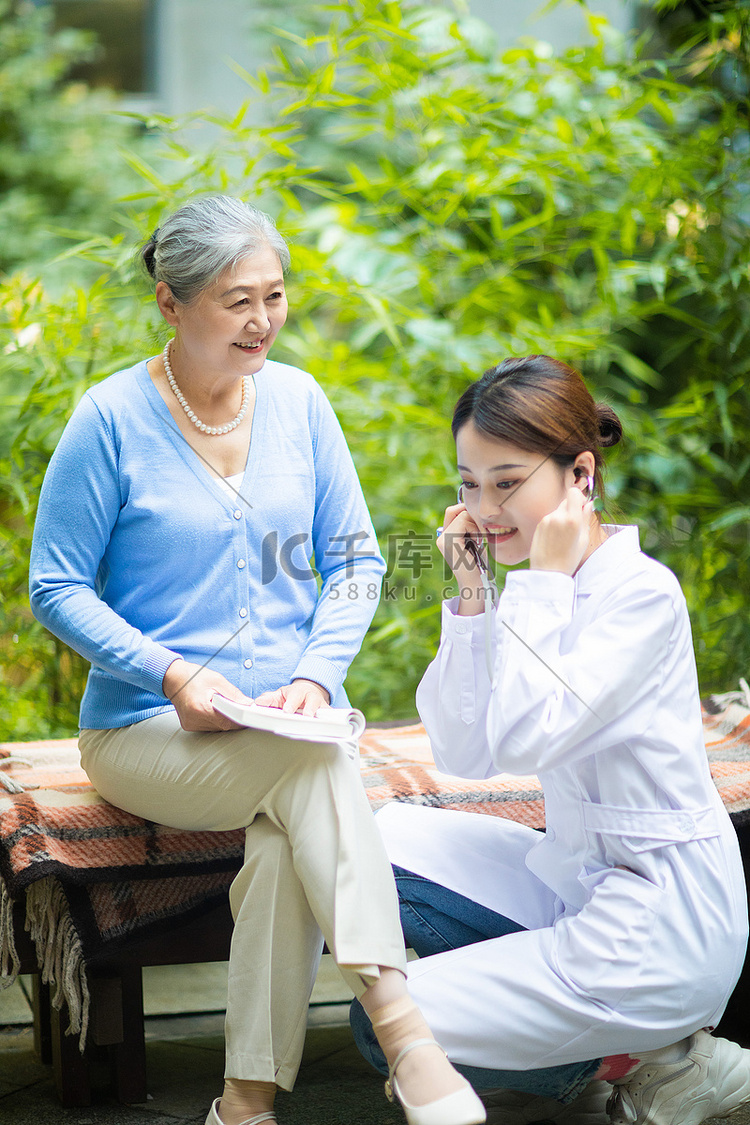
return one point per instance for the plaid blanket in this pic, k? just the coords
(96, 878)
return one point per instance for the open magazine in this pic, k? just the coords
(329, 724)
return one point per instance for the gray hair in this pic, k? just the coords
(207, 236)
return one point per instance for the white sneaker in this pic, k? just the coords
(713, 1080)
(507, 1107)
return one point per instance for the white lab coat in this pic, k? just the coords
(634, 899)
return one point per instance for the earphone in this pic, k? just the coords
(596, 501)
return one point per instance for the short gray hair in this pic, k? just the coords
(207, 236)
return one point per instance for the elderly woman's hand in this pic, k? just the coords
(304, 696)
(190, 688)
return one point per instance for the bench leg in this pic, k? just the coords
(116, 1022)
(41, 1007)
(70, 1067)
(128, 1057)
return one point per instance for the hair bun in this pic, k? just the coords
(147, 254)
(610, 426)
(148, 251)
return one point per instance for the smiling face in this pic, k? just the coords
(508, 490)
(230, 326)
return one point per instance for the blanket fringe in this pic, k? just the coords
(741, 696)
(10, 962)
(59, 953)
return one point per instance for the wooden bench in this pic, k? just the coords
(116, 1029)
(116, 1023)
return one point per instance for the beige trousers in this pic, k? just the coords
(315, 867)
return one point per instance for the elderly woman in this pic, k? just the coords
(175, 525)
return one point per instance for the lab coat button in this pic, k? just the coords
(686, 824)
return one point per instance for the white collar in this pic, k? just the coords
(622, 543)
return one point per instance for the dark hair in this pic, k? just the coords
(207, 236)
(542, 405)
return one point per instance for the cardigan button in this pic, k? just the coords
(247, 663)
(237, 514)
(243, 612)
(240, 564)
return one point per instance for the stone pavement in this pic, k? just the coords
(185, 1062)
(185, 1065)
(185, 1057)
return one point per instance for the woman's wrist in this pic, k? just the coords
(314, 683)
(472, 598)
(173, 678)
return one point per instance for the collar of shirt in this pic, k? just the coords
(621, 544)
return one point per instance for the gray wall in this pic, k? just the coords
(564, 26)
(195, 39)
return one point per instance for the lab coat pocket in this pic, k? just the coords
(603, 950)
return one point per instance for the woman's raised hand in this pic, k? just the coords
(304, 696)
(190, 688)
(458, 527)
(563, 536)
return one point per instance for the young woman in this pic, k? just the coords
(171, 548)
(594, 959)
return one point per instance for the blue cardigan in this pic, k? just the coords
(139, 555)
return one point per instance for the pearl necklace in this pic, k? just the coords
(184, 404)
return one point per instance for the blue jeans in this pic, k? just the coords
(434, 920)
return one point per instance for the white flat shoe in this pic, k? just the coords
(462, 1107)
(214, 1119)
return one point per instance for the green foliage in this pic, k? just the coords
(59, 169)
(449, 205)
(58, 141)
(713, 39)
(51, 349)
